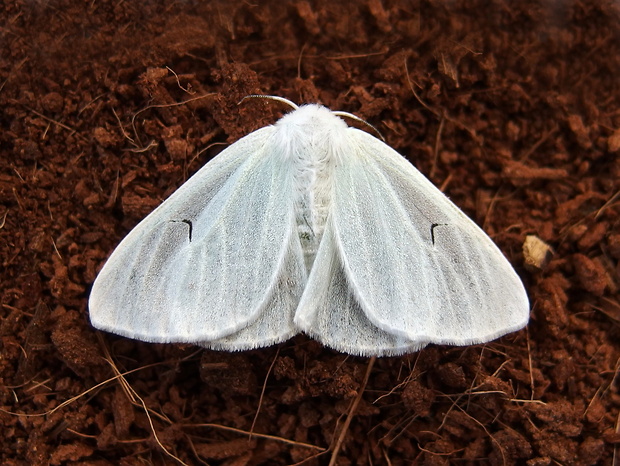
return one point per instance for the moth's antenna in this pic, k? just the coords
(272, 97)
(295, 107)
(356, 118)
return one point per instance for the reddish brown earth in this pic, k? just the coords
(516, 116)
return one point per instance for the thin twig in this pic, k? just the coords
(179, 82)
(347, 423)
(133, 395)
(438, 114)
(437, 146)
(175, 104)
(361, 55)
(51, 120)
(529, 358)
(262, 393)
(254, 434)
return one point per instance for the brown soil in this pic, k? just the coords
(516, 115)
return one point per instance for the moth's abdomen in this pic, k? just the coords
(310, 138)
(313, 193)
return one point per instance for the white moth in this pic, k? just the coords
(314, 226)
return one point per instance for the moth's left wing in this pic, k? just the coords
(218, 263)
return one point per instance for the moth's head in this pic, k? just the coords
(311, 134)
(312, 118)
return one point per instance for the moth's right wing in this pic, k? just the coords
(331, 313)
(400, 266)
(218, 263)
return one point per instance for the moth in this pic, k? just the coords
(311, 226)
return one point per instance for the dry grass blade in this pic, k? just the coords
(347, 423)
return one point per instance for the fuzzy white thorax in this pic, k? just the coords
(310, 139)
